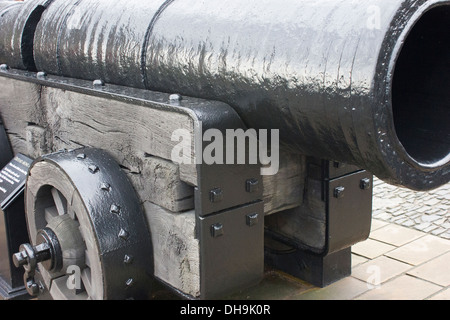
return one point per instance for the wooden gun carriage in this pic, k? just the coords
(97, 98)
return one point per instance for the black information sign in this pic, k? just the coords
(12, 179)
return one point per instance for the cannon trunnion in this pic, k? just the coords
(192, 143)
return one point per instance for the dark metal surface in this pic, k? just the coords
(326, 82)
(18, 22)
(223, 186)
(318, 270)
(349, 210)
(116, 216)
(343, 199)
(232, 250)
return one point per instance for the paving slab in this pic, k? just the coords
(345, 289)
(380, 270)
(420, 250)
(372, 248)
(442, 295)
(435, 270)
(404, 287)
(396, 235)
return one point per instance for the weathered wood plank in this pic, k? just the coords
(159, 182)
(40, 120)
(19, 106)
(176, 250)
(285, 189)
(130, 131)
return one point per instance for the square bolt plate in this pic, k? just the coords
(232, 250)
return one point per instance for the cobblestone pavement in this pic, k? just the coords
(425, 211)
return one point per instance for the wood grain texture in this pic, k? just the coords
(176, 250)
(41, 120)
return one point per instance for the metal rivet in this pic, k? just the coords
(128, 259)
(123, 234)
(217, 230)
(105, 186)
(252, 185)
(215, 195)
(41, 75)
(81, 156)
(4, 67)
(252, 219)
(364, 184)
(93, 169)
(98, 84)
(114, 209)
(129, 282)
(175, 97)
(339, 192)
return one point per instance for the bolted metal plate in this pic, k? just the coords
(232, 250)
(349, 210)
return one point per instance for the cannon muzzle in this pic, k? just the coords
(362, 82)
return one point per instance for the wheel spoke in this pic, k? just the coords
(87, 260)
(86, 279)
(50, 213)
(60, 201)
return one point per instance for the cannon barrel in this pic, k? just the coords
(361, 82)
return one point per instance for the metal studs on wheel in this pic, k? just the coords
(84, 216)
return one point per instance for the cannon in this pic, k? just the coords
(191, 143)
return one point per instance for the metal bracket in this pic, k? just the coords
(222, 186)
(349, 204)
(232, 250)
(230, 212)
(347, 200)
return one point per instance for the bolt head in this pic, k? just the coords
(124, 235)
(252, 185)
(41, 75)
(98, 84)
(93, 169)
(129, 282)
(115, 209)
(128, 259)
(32, 287)
(175, 97)
(217, 230)
(105, 186)
(338, 192)
(252, 219)
(216, 195)
(365, 184)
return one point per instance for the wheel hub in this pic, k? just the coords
(50, 252)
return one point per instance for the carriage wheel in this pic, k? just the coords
(91, 240)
